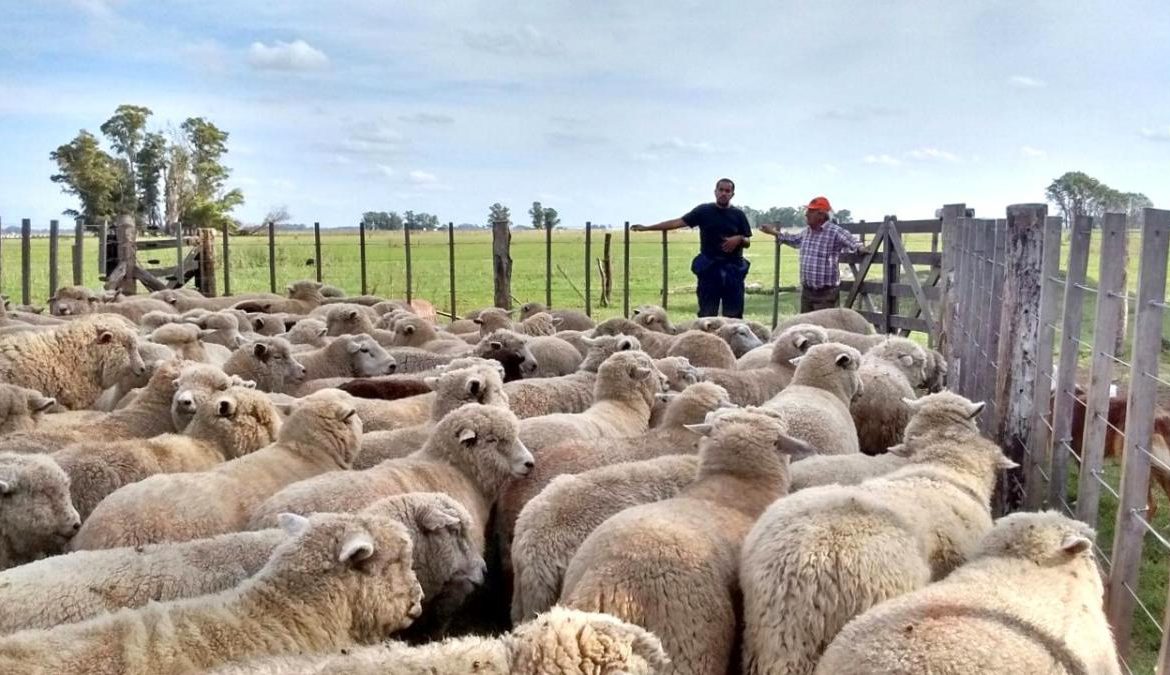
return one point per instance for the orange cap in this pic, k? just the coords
(819, 204)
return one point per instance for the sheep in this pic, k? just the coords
(347, 319)
(841, 469)
(21, 409)
(703, 350)
(37, 518)
(186, 300)
(86, 584)
(653, 343)
(841, 318)
(347, 356)
(654, 318)
(308, 332)
(185, 340)
(818, 558)
(740, 337)
(756, 358)
(268, 362)
(541, 323)
(569, 393)
(73, 301)
(454, 388)
(322, 434)
(195, 384)
(267, 324)
(492, 319)
(570, 319)
(554, 357)
(512, 350)
(133, 308)
(756, 386)
(552, 525)
(78, 300)
(670, 566)
(154, 319)
(303, 297)
(337, 581)
(936, 372)
(815, 404)
(415, 331)
(472, 453)
(889, 373)
(73, 362)
(220, 328)
(1028, 601)
(227, 426)
(562, 641)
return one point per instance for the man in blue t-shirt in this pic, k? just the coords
(724, 233)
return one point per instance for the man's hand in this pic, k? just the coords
(769, 228)
(731, 243)
(639, 228)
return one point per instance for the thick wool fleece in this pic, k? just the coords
(756, 386)
(816, 404)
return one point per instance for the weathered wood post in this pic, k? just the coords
(362, 253)
(317, 249)
(776, 283)
(992, 329)
(207, 285)
(54, 251)
(25, 261)
(406, 254)
(78, 251)
(626, 271)
(1019, 326)
(451, 264)
(547, 266)
(502, 263)
(272, 257)
(588, 268)
(127, 235)
(948, 294)
(1039, 465)
(607, 270)
(889, 277)
(665, 269)
(104, 249)
(180, 273)
(227, 260)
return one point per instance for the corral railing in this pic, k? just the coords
(1035, 324)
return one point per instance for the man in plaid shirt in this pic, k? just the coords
(820, 244)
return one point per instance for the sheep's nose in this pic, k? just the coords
(416, 610)
(391, 368)
(529, 464)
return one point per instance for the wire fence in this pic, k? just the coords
(1096, 432)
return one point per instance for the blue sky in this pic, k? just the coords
(608, 111)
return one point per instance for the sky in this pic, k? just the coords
(607, 111)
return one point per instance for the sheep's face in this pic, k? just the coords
(510, 350)
(796, 341)
(502, 445)
(740, 338)
(529, 309)
(274, 356)
(347, 321)
(240, 421)
(73, 301)
(935, 372)
(492, 319)
(309, 291)
(36, 512)
(679, 372)
(308, 332)
(268, 324)
(444, 555)
(196, 384)
(118, 354)
(20, 408)
(367, 358)
(941, 412)
(653, 318)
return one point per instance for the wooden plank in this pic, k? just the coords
(103, 252)
(501, 264)
(151, 282)
(451, 265)
(912, 278)
(900, 322)
(78, 251)
(1139, 427)
(409, 274)
(967, 313)
(317, 251)
(362, 255)
(1104, 337)
(1039, 456)
(207, 285)
(859, 276)
(1015, 375)
(959, 307)
(227, 260)
(180, 276)
(25, 261)
(1066, 370)
(272, 258)
(920, 258)
(889, 306)
(979, 353)
(588, 268)
(904, 226)
(54, 253)
(665, 269)
(991, 323)
(626, 270)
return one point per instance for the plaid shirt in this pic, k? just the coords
(818, 253)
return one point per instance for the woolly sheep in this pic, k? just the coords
(415, 331)
(321, 434)
(186, 340)
(562, 641)
(654, 318)
(85, 584)
(268, 362)
(936, 372)
(841, 469)
(554, 356)
(152, 320)
(756, 386)
(338, 581)
(226, 426)
(679, 374)
(309, 332)
(703, 350)
(861, 342)
(303, 297)
(220, 328)
(196, 383)
(815, 404)
(348, 319)
(570, 319)
(552, 525)
(21, 409)
(740, 337)
(472, 453)
(569, 393)
(1028, 601)
(347, 356)
(491, 319)
(37, 518)
(653, 343)
(73, 362)
(818, 558)
(268, 325)
(541, 323)
(512, 350)
(385, 387)
(670, 566)
(841, 318)
(889, 373)
(756, 358)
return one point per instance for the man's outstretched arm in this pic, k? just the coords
(672, 224)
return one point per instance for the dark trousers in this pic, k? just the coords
(812, 299)
(720, 282)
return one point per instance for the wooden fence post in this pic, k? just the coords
(227, 260)
(548, 267)
(967, 313)
(1015, 364)
(207, 285)
(54, 251)
(588, 268)
(1066, 370)
(103, 250)
(317, 249)
(272, 256)
(776, 283)
(502, 263)
(1139, 427)
(1039, 465)
(607, 270)
(78, 251)
(451, 264)
(126, 233)
(665, 269)
(626, 271)
(25, 261)
(1, 259)
(362, 253)
(889, 277)
(1109, 279)
(978, 354)
(409, 272)
(993, 317)
(180, 273)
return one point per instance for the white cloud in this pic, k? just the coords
(860, 113)
(524, 40)
(1025, 82)
(884, 160)
(420, 177)
(427, 118)
(1029, 151)
(933, 153)
(386, 171)
(98, 9)
(289, 56)
(372, 139)
(1156, 134)
(680, 146)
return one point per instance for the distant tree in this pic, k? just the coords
(150, 166)
(91, 174)
(420, 221)
(844, 216)
(537, 215)
(277, 215)
(499, 214)
(212, 202)
(126, 131)
(551, 218)
(381, 220)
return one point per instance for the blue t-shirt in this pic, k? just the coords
(715, 224)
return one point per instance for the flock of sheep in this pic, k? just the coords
(328, 484)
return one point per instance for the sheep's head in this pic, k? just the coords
(739, 337)
(240, 420)
(943, 427)
(904, 355)
(220, 328)
(679, 372)
(412, 331)
(619, 326)
(309, 291)
(73, 301)
(936, 372)
(308, 332)
(36, 512)
(795, 341)
(692, 404)
(196, 383)
(1046, 538)
(617, 646)
(511, 349)
(114, 345)
(364, 558)
(346, 319)
(942, 412)
(484, 440)
(273, 357)
(21, 409)
(528, 309)
(604, 346)
(653, 318)
(366, 358)
(493, 319)
(480, 383)
(325, 422)
(743, 439)
(267, 324)
(832, 367)
(629, 376)
(541, 323)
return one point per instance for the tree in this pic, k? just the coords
(499, 214)
(381, 220)
(551, 218)
(90, 173)
(150, 163)
(126, 132)
(537, 215)
(844, 216)
(207, 144)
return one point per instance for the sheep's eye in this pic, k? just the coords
(365, 350)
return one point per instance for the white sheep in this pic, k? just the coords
(815, 404)
(819, 557)
(303, 297)
(307, 333)
(37, 518)
(653, 318)
(268, 362)
(415, 331)
(1028, 601)
(740, 337)
(540, 323)
(554, 356)
(337, 582)
(186, 341)
(703, 350)
(196, 383)
(889, 372)
(842, 469)
(22, 409)
(220, 328)
(346, 356)
(570, 319)
(756, 386)
(321, 435)
(653, 343)
(560, 642)
(72, 362)
(670, 566)
(841, 318)
(568, 393)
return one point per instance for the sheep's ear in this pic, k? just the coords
(494, 344)
(801, 343)
(474, 387)
(666, 396)
(206, 333)
(467, 436)
(408, 330)
(260, 350)
(640, 372)
(433, 519)
(899, 450)
(431, 382)
(796, 360)
(322, 331)
(625, 345)
(226, 407)
(352, 315)
(241, 382)
(974, 410)
(556, 320)
(346, 414)
(289, 290)
(637, 311)
(1005, 463)
(38, 402)
(1075, 543)
(844, 360)
(477, 321)
(355, 549)
(702, 429)
(5, 487)
(258, 323)
(292, 523)
(587, 341)
(105, 337)
(353, 347)
(912, 403)
(795, 447)
(906, 360)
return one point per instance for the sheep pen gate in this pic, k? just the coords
(1073, 389)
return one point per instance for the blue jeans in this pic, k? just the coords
(720, 281)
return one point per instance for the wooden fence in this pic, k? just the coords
(1014, 330)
